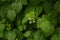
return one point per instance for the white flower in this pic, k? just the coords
(34, 21)
(30, 22)
(29, 18)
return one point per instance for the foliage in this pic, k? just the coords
(29, 19)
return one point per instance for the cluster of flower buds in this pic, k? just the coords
(31, 20)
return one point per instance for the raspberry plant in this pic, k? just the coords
(29, 19)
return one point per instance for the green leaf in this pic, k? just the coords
(3, 21)
(21, 27)
(29, 13)
(19, 21)
(1, 34)
(2, 27)
(16, 6)
(31, 37)
(57, 29)
(51, 17)
(45, 26)
(27, 33)
(57, 6)
(3, 14)
(11, 15)
(34, 2)
(25, 19)
(24, 2)
(47, 7)
(55, 37)
(10, 35)
(38, 10)
(38, 36)
(58, 18)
